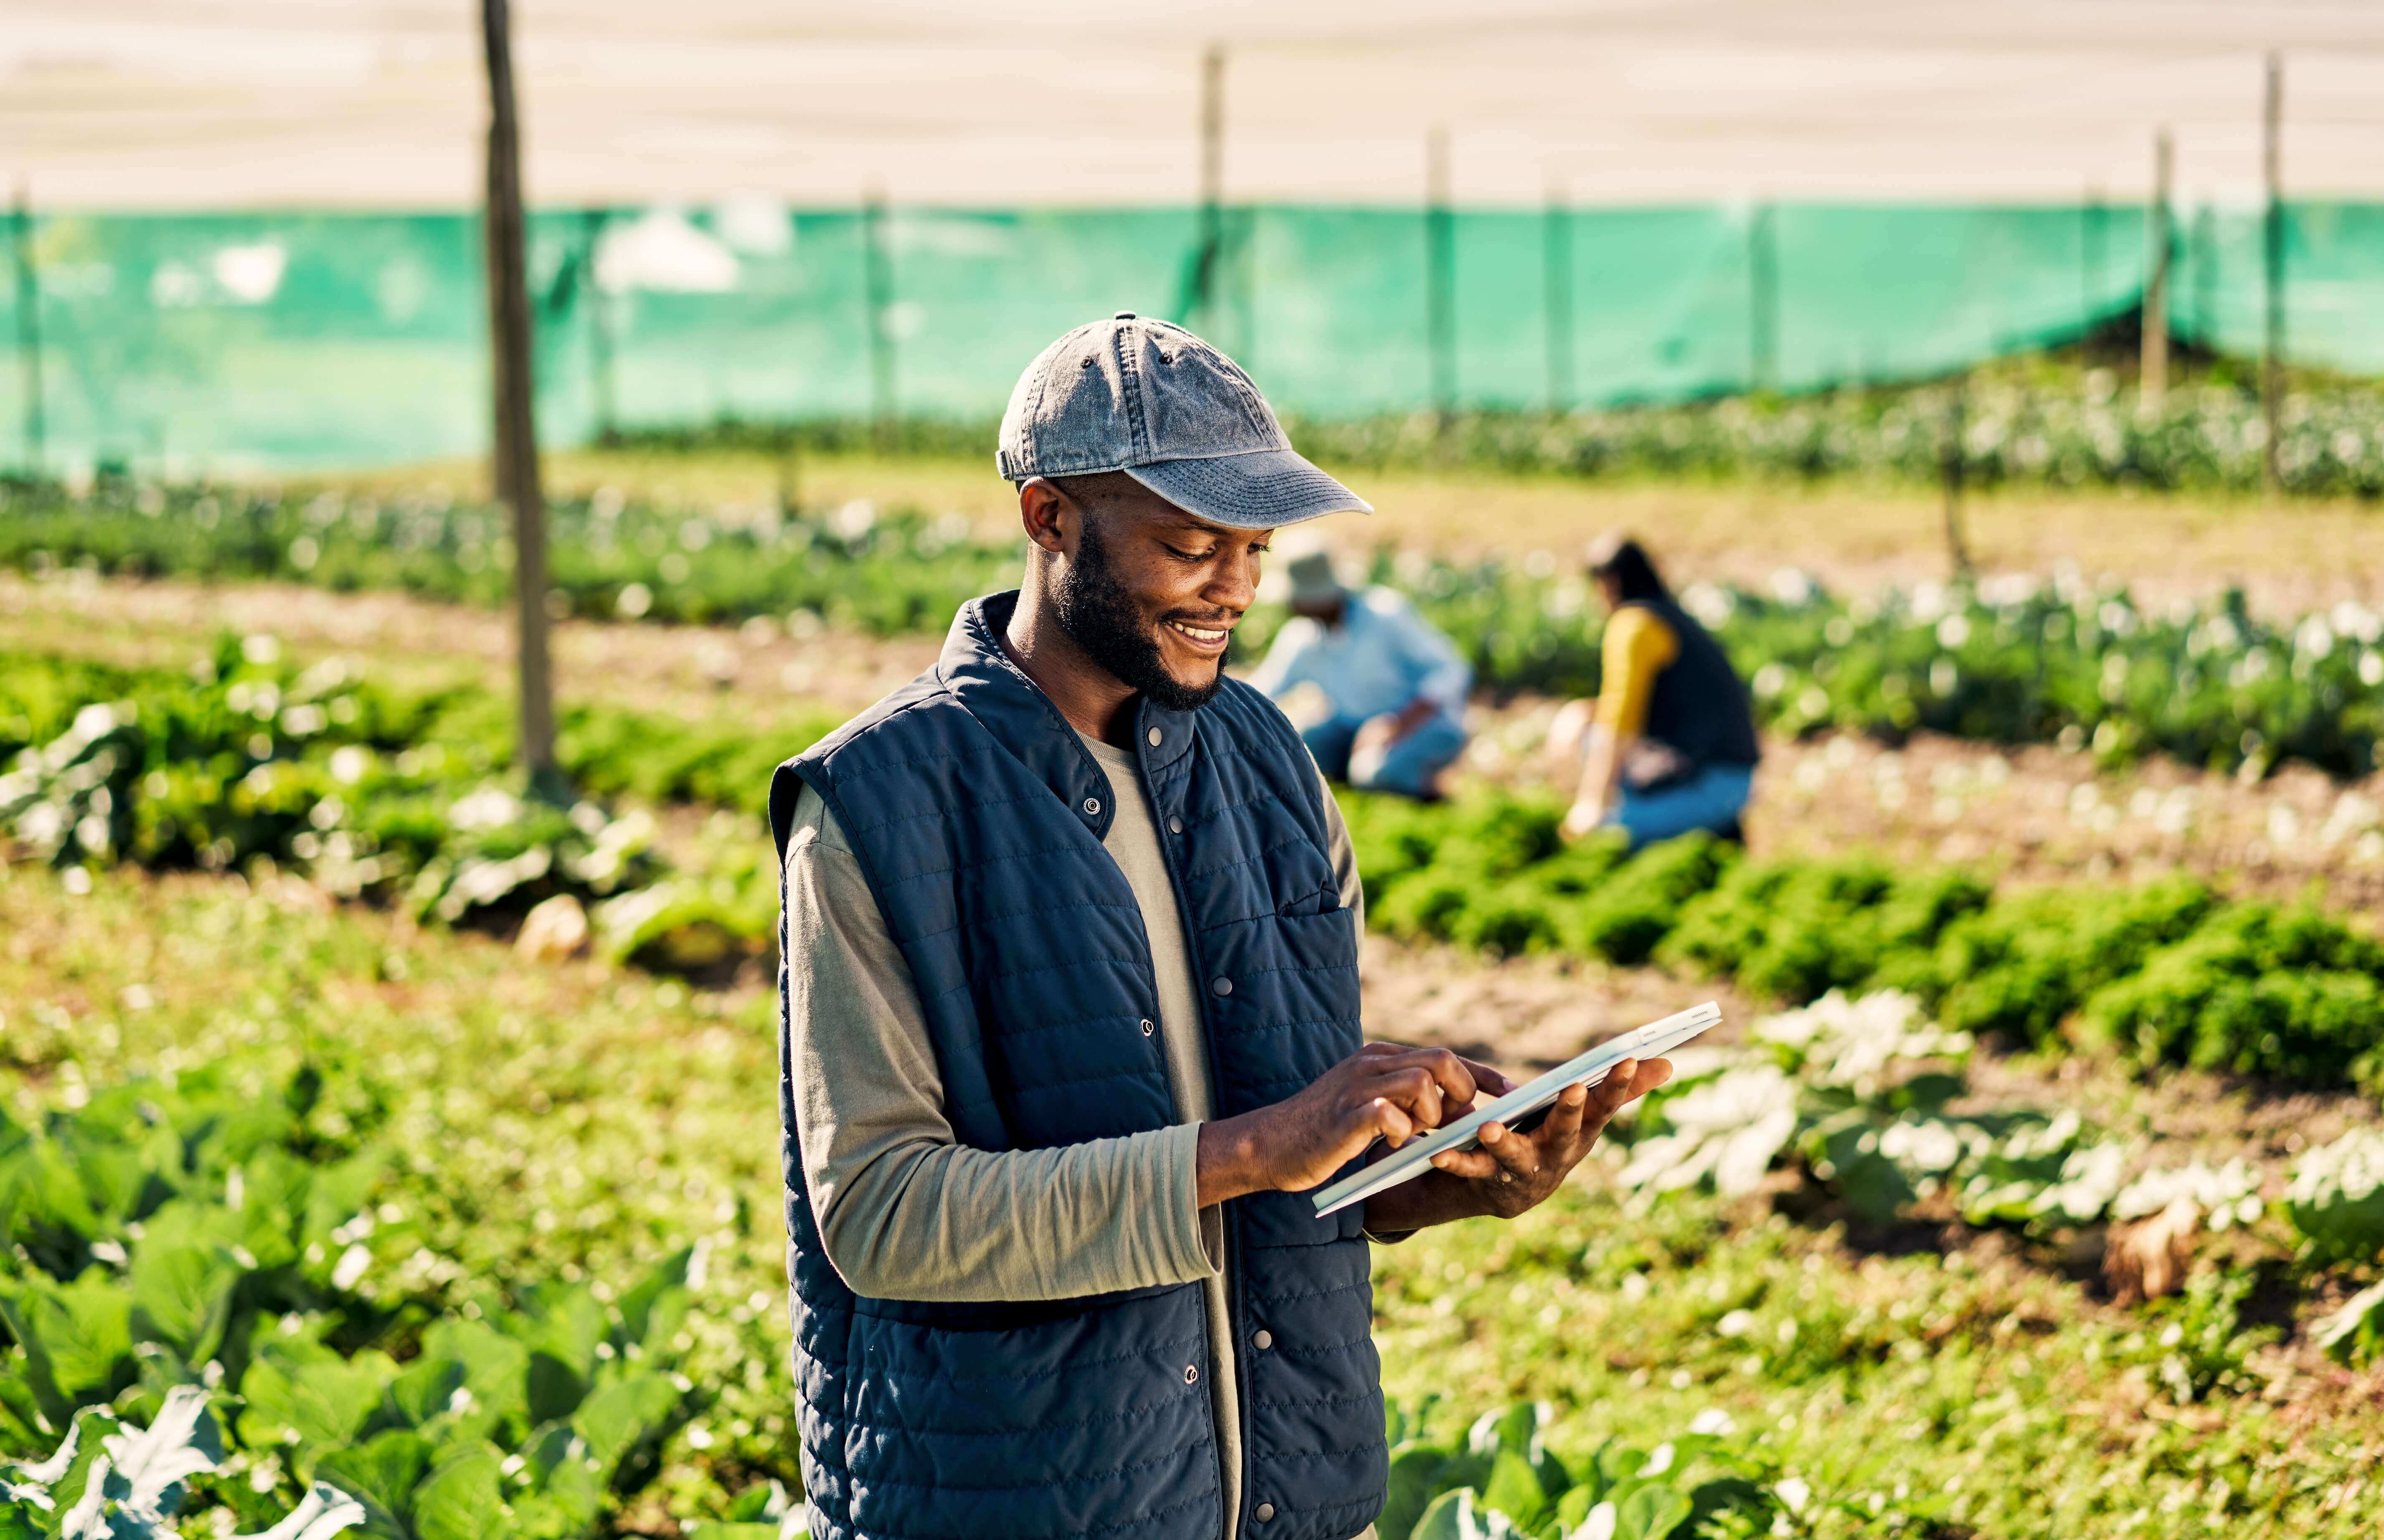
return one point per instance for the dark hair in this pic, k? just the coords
(1622, 560)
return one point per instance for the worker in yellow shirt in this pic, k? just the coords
(1669, 745)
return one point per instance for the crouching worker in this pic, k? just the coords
(1377, 692)
(1669, 745)
(1072, 1027)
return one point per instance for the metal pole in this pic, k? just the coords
(877, 277)
(2272, 360)
(1559, 253)
(1212, 184)
(1440, 285)
(29, 333)
(516, 422)
(600, 333)
(2153, 383)
(1762, 298)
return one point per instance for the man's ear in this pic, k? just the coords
(1046, 512)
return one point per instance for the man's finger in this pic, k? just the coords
(1618, 1088)
(1562, 1129)
(1386, 1118)
(1474, 1163)
(1487, 1080)
(1416, 1092)
(1513, 1152)
(1454, 1077)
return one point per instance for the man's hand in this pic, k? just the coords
(1382, 1090)
(1511, 1172)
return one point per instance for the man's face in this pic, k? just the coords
(1152, 593)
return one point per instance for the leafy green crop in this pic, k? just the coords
(226, 1231)
(2023, 425)
(110, 1481)
(2162, 973)
(2009, 660)
(1501, 1480)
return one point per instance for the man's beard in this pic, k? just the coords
(1095, 609)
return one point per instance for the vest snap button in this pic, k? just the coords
(1175, 824)
(1263, 1341)
(1265, 1512)
(1092, 807)
(1148, 1028)
(1191, 1373)
(1155, 735)
(1223, 985)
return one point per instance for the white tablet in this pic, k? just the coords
(1515, 1109)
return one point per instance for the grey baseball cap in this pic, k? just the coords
(1149, 399)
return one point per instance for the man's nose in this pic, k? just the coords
(1234, 585)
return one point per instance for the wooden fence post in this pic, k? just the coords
(2152, 382)
(516, 419)
(29, 333)
(2272, 359)
(1440, 278)
(1557, 253)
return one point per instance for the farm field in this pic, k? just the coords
(1851, 535)
(2087, 1253)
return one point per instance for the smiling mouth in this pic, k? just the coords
(1208, 638)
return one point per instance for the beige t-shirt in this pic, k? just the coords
(907, 1212)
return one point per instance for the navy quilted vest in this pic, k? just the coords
(977, 817)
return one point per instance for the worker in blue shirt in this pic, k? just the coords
(1376, 692)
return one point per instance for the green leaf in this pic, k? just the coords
(78, 1340)
(653, 1309)
(1450, 1517)
(425, 1390)
(1415, 1481)
(180, 1442)
(322, 1513)
(1514, 1490)
(622, 1415)
(1649, 1512)
(304, 1389)
(1572, 1509)
(716, 1529)
(463, 1499)
(495, 1368)
(2356, 1331)
(382, 1475)
(182, 1280)
(552, 1388)
(1725, 1494)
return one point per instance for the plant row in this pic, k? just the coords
(2009, 660)
(1868, 1102)
(2168, 972)
(367, 793)
(227, 1257)
(2024, 422)
(2047, 429)
(404, 801)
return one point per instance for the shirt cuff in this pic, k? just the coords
(1195, 1236)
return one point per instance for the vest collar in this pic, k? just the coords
(981, 676)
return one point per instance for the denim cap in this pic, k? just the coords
(1149, 399)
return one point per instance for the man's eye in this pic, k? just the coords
(1189, 555)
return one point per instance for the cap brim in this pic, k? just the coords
(1265, 489)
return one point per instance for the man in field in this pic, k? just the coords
(1072, 1025)
(1391, 688)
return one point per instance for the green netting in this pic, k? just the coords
(225, 342)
